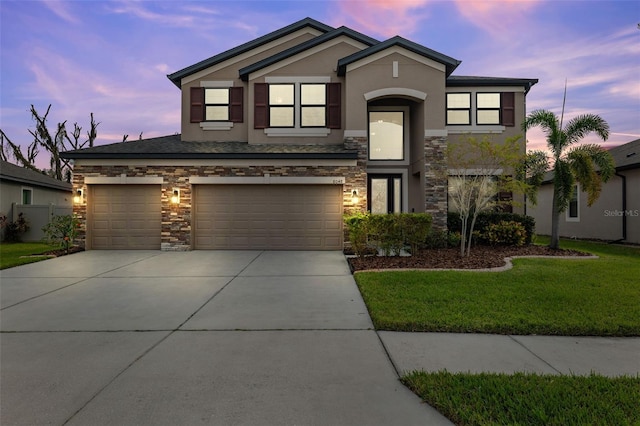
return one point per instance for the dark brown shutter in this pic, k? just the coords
(508, 102)
(197, 104)
(235, 104)
(334, 105)
(261, 107)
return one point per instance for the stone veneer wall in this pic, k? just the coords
(177, 219)
(436, 184)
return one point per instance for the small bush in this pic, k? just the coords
(62, 230)
(358, 228)
(439, 239)
(415, 228)
(505, 233)
(386, 231)
(13, 230)
(454, 223)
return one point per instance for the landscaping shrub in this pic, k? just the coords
(505, 233)
(62, 230)
(485, 219)
(388, 233)
(13, 230)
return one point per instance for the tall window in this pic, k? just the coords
(385, 193)
(488, 108)
(573, 212)
(27, 196)
(386, 135)
(458, 108)
(216, 104)
(281, 105)
(313, 105)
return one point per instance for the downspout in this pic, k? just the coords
(624, 207)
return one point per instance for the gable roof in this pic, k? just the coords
(626, 156)
(171, 147)
(26, 176)
(450, 63)
(316, 41)
(467, 80)
(177, 76)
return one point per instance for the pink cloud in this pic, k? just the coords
(385, 17)
(497, 18)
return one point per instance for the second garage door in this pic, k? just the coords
(271, 217)
(124, 217)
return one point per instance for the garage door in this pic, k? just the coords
(271, 217)
(124, 217)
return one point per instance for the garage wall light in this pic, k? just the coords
(77, 198)
(175, 196)
(354, 197)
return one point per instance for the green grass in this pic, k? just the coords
(529, 399)
(596, 297)
(10, 253)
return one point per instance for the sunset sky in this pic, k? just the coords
(112, 57)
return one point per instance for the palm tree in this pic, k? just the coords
(588, 164)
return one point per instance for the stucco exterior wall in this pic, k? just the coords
(11, 192)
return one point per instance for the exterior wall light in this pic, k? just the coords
(175, 196)
(354, 197)
(77, 198)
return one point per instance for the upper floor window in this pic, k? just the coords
(386, 135)
(27, 196)
(216, 104)
(458, 108)
(488, 108)
(299, 106)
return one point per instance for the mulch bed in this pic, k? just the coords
(481, 257)
(62, 252)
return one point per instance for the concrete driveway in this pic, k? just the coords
(202, 337)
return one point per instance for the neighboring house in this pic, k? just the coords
(33, 194)
(615, 216)
(283, 135)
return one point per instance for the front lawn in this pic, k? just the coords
(11, 253)
(529, 399)
(595, 297)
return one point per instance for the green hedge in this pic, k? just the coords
(485, 219)
(389, 233)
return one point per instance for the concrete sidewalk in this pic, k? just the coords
(490, 353)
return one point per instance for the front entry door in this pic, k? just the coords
(385, 193)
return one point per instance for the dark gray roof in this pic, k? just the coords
(244, 72)
(26, 176)
(171, 147)
(627, 156)
(467, 80)
(450, 63)
(177, 76)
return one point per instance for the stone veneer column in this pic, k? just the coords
(436, 184)
(358, 178)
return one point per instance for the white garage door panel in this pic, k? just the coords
(278, 217)
(125, 217)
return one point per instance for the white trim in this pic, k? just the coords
(249, 54)
(124, 180)
(216, 125)
(395, 69)
(301, 132)
(355, 133)
(216, 84)
(430, 133)
(475, 129)
(396, 49)
(310, 79)
(216, 162)
(267, 180)
(395, 91)
(484, 89)
(305, 54)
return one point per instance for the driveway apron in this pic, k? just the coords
(201, 337)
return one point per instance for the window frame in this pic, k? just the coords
(291, 106)
(227, 104)
(324, 106)
(469, 123)
(572, 200)
(392, 191)
(405, 137)
(498, 109)
(26, 190)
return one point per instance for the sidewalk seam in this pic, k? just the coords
(534, 354)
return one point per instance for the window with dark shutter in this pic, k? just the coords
(236, 104)
(334, 105)
(197, 104)
(508, 109)
(261, 110)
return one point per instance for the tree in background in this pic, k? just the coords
(588, 164)
(54, 144)
(478, 171)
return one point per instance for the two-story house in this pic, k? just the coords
(284, 134)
